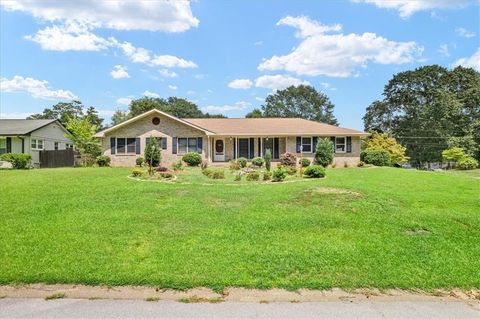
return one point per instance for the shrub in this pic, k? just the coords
(234, 165)
(242, 161)
(467, 163)
(314, 171)
(192, 158)
(103, 160)
(383, 141)
(204, 164)
(152, 153)
(361, 164)
(375, 157)
(278, 175)
(167, 175)
(324, 152)
(238, 177)
(18, 160)
(161, 169)
(178, 166)
(214, 173)
(288, 159)
(253, 176)
(267, 175)
(139, 161)
(137, 172)
(257, 161)
(289, 169)
(304, 162)
(268, 159)
(453, 154)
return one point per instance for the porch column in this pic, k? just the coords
(236, 147)
(261, 146)
(208, 148)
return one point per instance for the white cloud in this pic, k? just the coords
(173, 87)
(106, 113)
(241, 105)
(159, 15)
(167, 73)
(136, 55)
(258, 43)
(124, 100)
(277, 82)
(200, 76)
(443, 50)
(36, 88)
(171, 61)
(406, 8)
(240, 84)
(209, 91)
(464, 33)
(151, 94)
(69, 37)
(328, 86)
(261, 99)
(337, 55)
(119, 72)
(470, 62)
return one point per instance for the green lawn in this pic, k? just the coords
(393, 228)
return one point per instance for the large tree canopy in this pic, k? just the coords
(430, 109)
(64, 111)
(298, 101)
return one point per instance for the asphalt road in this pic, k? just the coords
(81, 308)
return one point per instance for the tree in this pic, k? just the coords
(255, 113)
(300, 101)
(82, 132)
(152, 154)
(324, 152)
(383, 141)
(429, 109)
(119, 116)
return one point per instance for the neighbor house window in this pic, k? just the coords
(306, 144)
(186, 145)
(340, 144)
(3, 145)
(126, 145)
(131, 145)
(56, 146)
(37, 144)
(68, 145)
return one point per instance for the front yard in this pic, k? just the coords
(372, 227)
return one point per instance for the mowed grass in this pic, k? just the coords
(372, 227)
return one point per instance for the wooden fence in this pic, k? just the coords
(58, 158)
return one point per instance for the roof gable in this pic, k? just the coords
(23, 127)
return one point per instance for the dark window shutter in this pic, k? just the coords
(9, 144)
(174, 145)
(349, 144)
(113, 149)
(276, 148)
(259, 149)
(234, 148)
(199, 144)
(299, 143)
(137, 145)
(164, 143)
(147, 141)
(252, 148)
(332, 138)
(315, 140)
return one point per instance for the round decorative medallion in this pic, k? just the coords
(155, 121)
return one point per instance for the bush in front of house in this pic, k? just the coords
(137, 172)
(242, 161)
(288, 159)
(214, 173)
(234, 165)
(375, 157)
(192, 158)
(152, 153)
(278, 175)
(178, 166)
(139, 161)
(161, 169)
(167, 175)
(258, 161)
(314, 171)
(253, 176)
(467, 163)
(238, 177)
(304, 162)
(268, 159)
(324, 152)
(267, 175)
(103, 160)
(289, 169)
(18, 160)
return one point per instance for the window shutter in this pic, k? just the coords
(299, 143)
(199, 144)
(332, 138)
(349, 144)
(276, 146)
(137, 145)
(9, 144)
(164, 143)
(251, 153)
(314, 146)
(174, 145)
(259, 149)
(113, 143)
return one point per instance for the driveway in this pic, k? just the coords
(82, 308)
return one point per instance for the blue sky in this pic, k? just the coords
(226, 56)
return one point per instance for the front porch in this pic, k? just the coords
(226, 148)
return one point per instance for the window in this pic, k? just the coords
(126, 145)
(37, 144)
(56, 146)
(186, 145)
(3, 145)
(155, 121)
(68, 145)
(340, 144)
(306, 144)
(130, 145)
(120, 145)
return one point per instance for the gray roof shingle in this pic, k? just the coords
(21, 127)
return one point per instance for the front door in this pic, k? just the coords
(219, 150)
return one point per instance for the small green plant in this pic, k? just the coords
(192, 158)
(152, 299)
(253, 176)
(375, 157)
(242, 161)
(58, 295)
(268, 159)
(267, 175)
(467, 163)
(139, 161)
(238, 177)
(103, 160)
(166, 175)
(278, 175)
(361, 164)
(304, 162)
(18, 160)
(258, 161)
(137, 172)
(217, 173)
(234, 165)
(178, 166)
(289, 169)
(314, 171)
(288, 159)
(197, 299)
(324, 152)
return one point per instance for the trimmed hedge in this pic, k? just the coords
(103, 160)
(192, 158)
(257, 161)
(375, 157)
(467, 163)
(18, 160)
(314, 171)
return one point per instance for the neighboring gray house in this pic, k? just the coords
(32, 136)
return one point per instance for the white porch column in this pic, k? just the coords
(261, 146)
